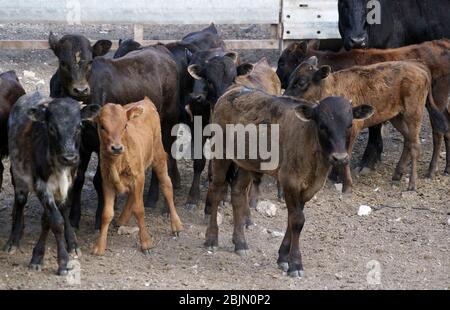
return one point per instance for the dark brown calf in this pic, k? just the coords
(397, 90)
(10, 91)
(311, 140)
(130, 143)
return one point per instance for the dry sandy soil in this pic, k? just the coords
(405, 241)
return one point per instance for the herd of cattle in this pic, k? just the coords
(123, 108)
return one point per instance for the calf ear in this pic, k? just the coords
(89, 112)
(134, 112)
(244, 69)
(120, 42)
(322, 73)
(304, 112)
(298, 46)
(53, 42)
(233, 55)
(37, 114)
(101, 47)
(195, 71)
(314, 45)
(363, 112)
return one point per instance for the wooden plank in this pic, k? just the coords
(138, 30)
(310, 19)
(231, 44)
(311, 31)
(140, 11)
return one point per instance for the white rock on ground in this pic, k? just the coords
(275, 234)
(29, 74)
(338, 187)
(448, 221)
(364, 210)
(267, 208)
(127, 230)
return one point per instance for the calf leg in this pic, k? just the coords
(108, 214)
(70, 235)
(166, 188)
(409, 127)
(2, 168)
(138, 210)
(98, 188)
(74, 199)
(239, 199)
(216, 192)
(374, 148)
(348, 181)
(194, 192)
(153, 192)
(296, 219)
(56, 222)
(37, 260)
(447, 153)
(20, 200)
(283, 251)
(437, 144)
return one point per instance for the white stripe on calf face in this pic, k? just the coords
(59, 184)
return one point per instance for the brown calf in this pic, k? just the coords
(397, 90)
(434, 54)
(311, 140)
(130, 143)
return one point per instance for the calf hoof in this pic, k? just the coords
(63, 271)
(364, 170)
(249, 222)
(10, 248)
(430, 175)
(283, 266)
(98, 251)
(447, 172)
(35, 267)
(146, 252)
(411, 188)
(243, 252)
(397, 177)
(296, 274)
(75, 252)
(212, 244)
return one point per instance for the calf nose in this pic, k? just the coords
(70, 159)
(340, 158)
(358, 41)
(81, 90)
(198, 97)
(117, 149)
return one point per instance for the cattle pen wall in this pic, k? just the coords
(289, 19)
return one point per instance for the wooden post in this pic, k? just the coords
(139, 33)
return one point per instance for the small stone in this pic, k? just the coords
(398, 219)
(267, 208)
(146, 284)
(126, 230)
(448, 221)
(364, 210)
(29, 74)
(338, 187)
(275, 234)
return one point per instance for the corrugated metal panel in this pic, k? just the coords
(310, 19)
(140, 11)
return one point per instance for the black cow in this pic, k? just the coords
(10, 91)
(75, 55)
(44, 137)
(151, 72)
(403, 22)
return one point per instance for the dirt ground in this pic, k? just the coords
(403, 244)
